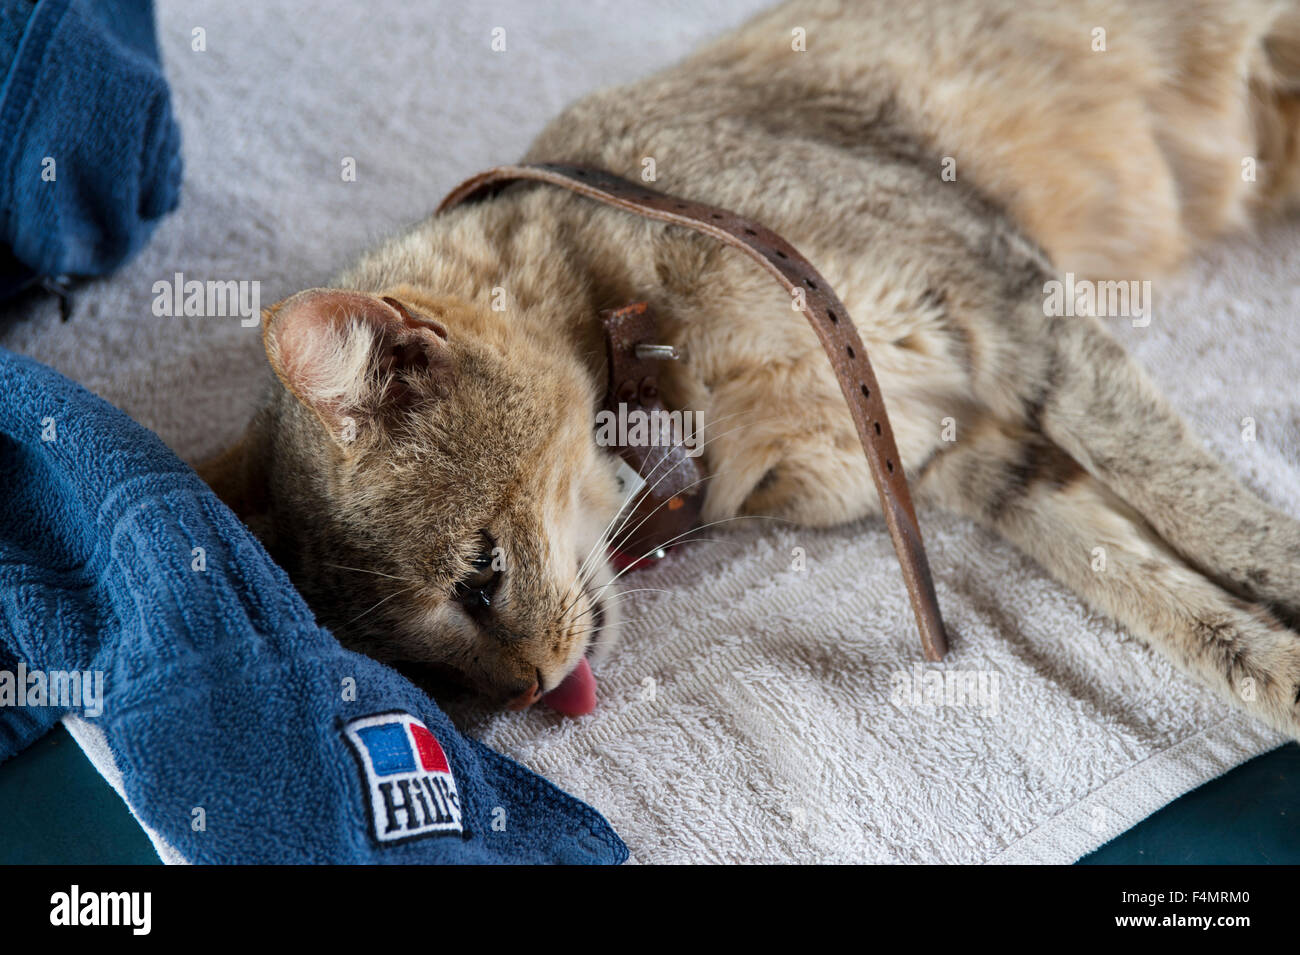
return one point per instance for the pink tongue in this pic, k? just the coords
(576, 694)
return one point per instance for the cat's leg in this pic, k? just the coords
(1275, 103)
(1097, 405)
(1021, 485)
(779, 443)
(779, 440)
(1228, 122)
(1178, 123)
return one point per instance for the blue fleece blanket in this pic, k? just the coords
(89, 151)
(243, 731)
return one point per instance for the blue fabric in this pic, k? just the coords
(83, 86)
(220, 691)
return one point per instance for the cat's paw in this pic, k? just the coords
(806, 479)
(1261, 662)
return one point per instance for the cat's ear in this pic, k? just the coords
(350, 356)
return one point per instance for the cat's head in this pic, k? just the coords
(428, 476)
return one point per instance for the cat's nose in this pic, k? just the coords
(527, 698)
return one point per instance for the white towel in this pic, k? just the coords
(747, 716)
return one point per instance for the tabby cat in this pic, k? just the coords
(425, 467)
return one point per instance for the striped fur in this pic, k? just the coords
(1111, 164)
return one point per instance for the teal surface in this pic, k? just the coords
(55, 808)
(1250, 816)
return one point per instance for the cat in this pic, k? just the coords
(425, 468)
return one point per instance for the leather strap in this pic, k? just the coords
(829, 319)
(668, 507)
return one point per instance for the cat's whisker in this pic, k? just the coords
(606, 544)
(725, 520)
(569, 601)
(601, 544)
(594, 556)
(603, 541)
(574, 594)
(633, 530)
(625, 536)
(575, 590)
(706, 477)
(692, 484)
(396, 593)
(590, 630)
(362, 570)
(612, 598)
(663, 460)
(660, 463)
(638, 590)
(693, 540)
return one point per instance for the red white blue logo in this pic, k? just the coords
(412, 792)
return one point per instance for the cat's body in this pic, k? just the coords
(392, 445)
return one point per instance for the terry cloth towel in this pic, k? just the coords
(241, 731)
(89, 151)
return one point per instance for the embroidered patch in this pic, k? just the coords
(411, 790)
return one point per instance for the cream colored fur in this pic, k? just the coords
(1108, 163)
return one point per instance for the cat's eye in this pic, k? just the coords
(476, 590)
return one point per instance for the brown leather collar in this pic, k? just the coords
(823, 310)
(666, 506)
